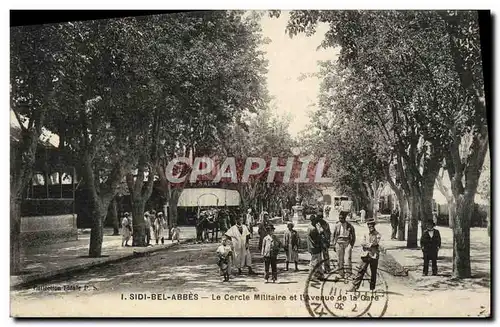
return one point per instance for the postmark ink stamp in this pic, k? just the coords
(334, 296)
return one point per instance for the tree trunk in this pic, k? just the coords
(356, 203)
(22, 160)
(445, 191)
(113, 216)
(403, 214)
(370, 213)
(139, 231)
(98, 204)
(461, 235)
(366, 200)
(97, 214)
(173, 199)
(452, 212)
(15, 233)
(375, 206)
(426, 206)
(414, 211)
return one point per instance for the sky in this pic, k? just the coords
(289, 58)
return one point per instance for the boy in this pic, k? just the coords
(224, 254)
(270, 250)
(175, 233)
(291, 240)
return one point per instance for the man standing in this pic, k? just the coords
(159, 224)
(314, 247)
(325, 233)
(370, 256)
(327, 211)
(263, 224)
(240, 236)
(147, 226)
(200, 222)
(291, 243)
(394, 223)
(270, 250)
(344, 237)
(430, 242)
(362, 214)
(126, 229)
(249, 221)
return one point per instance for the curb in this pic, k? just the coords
(409, 273)
(413, 275)
(44, 276)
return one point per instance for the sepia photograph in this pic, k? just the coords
(246, 164)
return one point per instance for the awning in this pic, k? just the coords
(208, 197)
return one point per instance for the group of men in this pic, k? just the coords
(269, 245)
(154, 225)
(320, 239)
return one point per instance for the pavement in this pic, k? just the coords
(189, 272)
(411, 259)
(50, 261)
(65, 258)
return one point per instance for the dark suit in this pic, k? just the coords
(394, 223)
(430, 246)
(325, 235)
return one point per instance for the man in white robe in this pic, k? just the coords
(240, 236)
(126, 229)
(362, 214)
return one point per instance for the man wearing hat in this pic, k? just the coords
(270, 250)
(430, 242)
(314, 247)
(370, 256)
(344, 237)
(291, 243)
(326, 235)
(126, 229)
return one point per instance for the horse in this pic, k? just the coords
(208, 223)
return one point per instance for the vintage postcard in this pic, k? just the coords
(281, 163)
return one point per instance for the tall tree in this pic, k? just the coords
(401, 62)
(95, 119)
(35, 65)
(430, 91)
(265, 135)
(464, 167)
(217, 76)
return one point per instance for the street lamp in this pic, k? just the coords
(297, 208)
